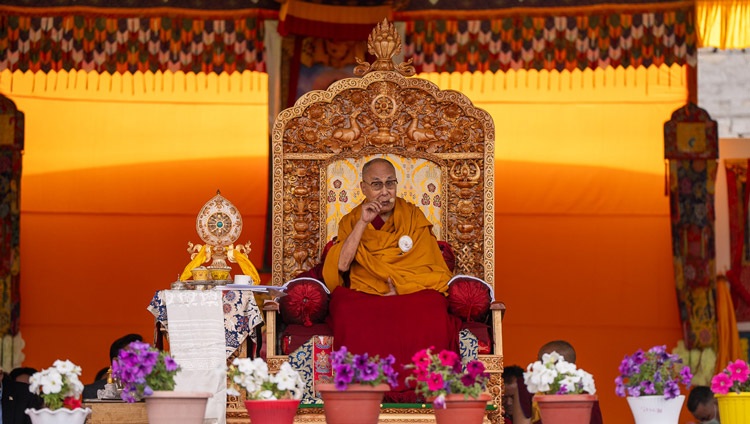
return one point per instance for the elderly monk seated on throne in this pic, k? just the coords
(388, 278)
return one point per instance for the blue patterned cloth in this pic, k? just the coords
(241, 316)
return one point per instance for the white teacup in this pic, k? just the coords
(243, 279)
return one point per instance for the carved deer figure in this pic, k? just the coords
(348, 135)
(424, 135)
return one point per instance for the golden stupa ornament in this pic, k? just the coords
(384, 43)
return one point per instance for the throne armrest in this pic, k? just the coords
(497, 309)
(270, 305)
(271, 310)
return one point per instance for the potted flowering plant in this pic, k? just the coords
(147, 372)
(282, 390)
(553, 375)
(651, 381)
(60, 389)
(564, 392)
(359, 383)
(731, 388)
(143, 369)
(446, 380)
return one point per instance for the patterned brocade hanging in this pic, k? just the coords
(691, 146)
(566, 41)
(88, 42)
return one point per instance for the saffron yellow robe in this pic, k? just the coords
(379, 257)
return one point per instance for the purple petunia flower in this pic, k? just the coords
(369, 372)
(360, 361)
(648, 388)
(671, 389)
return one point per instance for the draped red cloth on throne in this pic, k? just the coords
(398, 325)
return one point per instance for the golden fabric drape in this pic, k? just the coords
(726, 325)
(723, 24)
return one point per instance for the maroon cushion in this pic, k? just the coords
(448, 255)
(295, 335)
(483, 334)
(469, 298)
(305, 303)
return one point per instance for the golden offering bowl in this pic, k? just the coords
(220, 273)
(199, 274)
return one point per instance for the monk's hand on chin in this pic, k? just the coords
(391, 287)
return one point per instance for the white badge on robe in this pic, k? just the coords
(405, 243)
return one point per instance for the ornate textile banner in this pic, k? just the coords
(565, 41)
(11, 146)
(154, 39)
(691, 146)
(89, 42)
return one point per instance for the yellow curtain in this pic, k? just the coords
(723, 23)
(726, 323)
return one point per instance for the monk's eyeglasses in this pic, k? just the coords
(378, 185)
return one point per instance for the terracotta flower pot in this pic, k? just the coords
(462, 409)
(358, 404)
(565, 409)
(272, 411)
(168, 407)
(58, 416)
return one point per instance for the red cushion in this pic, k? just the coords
(295, 335)
(448, 255)
(483, 335)
(469, 298)
(305, 303)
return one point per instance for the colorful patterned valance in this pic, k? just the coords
(123, 40)
(584, 40)
(130, 44)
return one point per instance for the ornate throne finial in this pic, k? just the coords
(384, 43)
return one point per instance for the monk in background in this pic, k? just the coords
(385, 243)
(385, 248)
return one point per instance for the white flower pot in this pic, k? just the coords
(656, 409)
(58, 416)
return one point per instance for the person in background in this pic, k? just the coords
(16, 398)
(523, 405)
(22, 374)
(703, 405)
(90, 390)
(512, 374)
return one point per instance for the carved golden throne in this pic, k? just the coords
(443, 150)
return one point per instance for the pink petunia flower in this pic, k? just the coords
(449, 358)
(435, 381)
(721, 383)
(738, 370)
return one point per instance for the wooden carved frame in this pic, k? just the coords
(382, 112)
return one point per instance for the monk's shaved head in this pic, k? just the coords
(372, 162)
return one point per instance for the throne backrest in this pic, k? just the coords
(441, 144)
